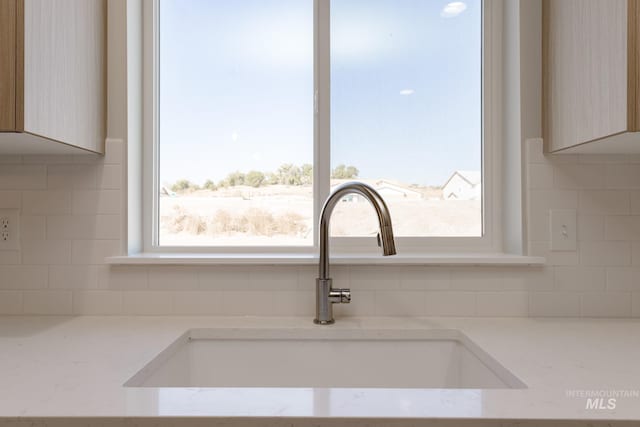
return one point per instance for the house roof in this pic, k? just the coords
(472, 177)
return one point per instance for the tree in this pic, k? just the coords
(234, 178)
(290, 174)
(210, 185)
(254, 178)
(307, 174)
(182, 185)
(344, 172)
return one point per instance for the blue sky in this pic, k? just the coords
(237, 87)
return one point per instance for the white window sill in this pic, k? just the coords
(312, 259)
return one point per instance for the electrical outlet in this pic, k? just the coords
(563, 230)
(9, 230)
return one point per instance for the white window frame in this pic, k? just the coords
(489, 242)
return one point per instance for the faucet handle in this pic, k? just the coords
(379, 240)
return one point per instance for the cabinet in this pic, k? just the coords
(52, 76)
(591, 76)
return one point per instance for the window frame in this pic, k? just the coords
(489, 242)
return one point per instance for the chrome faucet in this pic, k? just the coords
(326, 295)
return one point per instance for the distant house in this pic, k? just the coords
(463, 185)
(394, 190)
(387, 189)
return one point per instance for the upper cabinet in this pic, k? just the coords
(591, 76)
(52, 76)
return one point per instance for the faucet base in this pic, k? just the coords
(324, 322)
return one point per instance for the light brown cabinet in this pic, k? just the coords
(52, 76)
(591, 76)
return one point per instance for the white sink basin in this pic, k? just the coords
(324, 358)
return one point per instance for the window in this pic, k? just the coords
(260, 107)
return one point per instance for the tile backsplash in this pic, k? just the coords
(71, 218)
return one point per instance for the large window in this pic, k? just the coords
(262, 106)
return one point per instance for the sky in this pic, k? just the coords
(236, 87)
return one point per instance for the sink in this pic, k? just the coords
(303, 358)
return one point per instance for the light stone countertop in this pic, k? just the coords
(76, 367)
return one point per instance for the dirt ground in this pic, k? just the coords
(250, 216)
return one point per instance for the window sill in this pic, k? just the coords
(312, 259)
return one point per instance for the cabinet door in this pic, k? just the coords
(8, 64)
(585, 70)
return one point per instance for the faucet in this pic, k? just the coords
(326, 295)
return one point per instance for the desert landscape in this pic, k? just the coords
(255, 209)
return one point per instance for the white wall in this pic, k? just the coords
(72, 218)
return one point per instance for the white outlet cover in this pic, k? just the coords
(563, 230)
(13, 243)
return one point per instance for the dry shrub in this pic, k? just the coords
(254, 221)
(183, 221)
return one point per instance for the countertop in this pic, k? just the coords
(76, 367)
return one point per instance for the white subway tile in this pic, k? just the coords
(9, 257)
(10, 199)
(447, 303)
(395, 303)
(50, 252)
(607, 158)
(362, 305)
(634, 197)
(47, 302)
(94, 251)
(635, 304)
(114, 152)
(605, 253)
(373, 277)
(502, 304)
(621, 227)
(23, 276)
(37, 159)
(623, 278)
(534, 151)
(554, 304)
(540, 176)
(171, 277)
(96, 202)
(71, 176)
(6, 159)
(97, 302)
(425, 278)
(123, 278)
(604, 202)
(148, 303)
(580, 278)
(248, 303)
(590, 227)
(477, 278)
(606, 304)
(32, 227)
(23, 177)
(538, 227)
(47, 202)
(541, 201)
(197, 303)
(273, 278)
(623, 176)
(577, 176)
(84, 227)
(109, 177)
(10, 302)
(527, 278)
(295, 303)
(223, 278)
(635, 253)
(73, 276)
